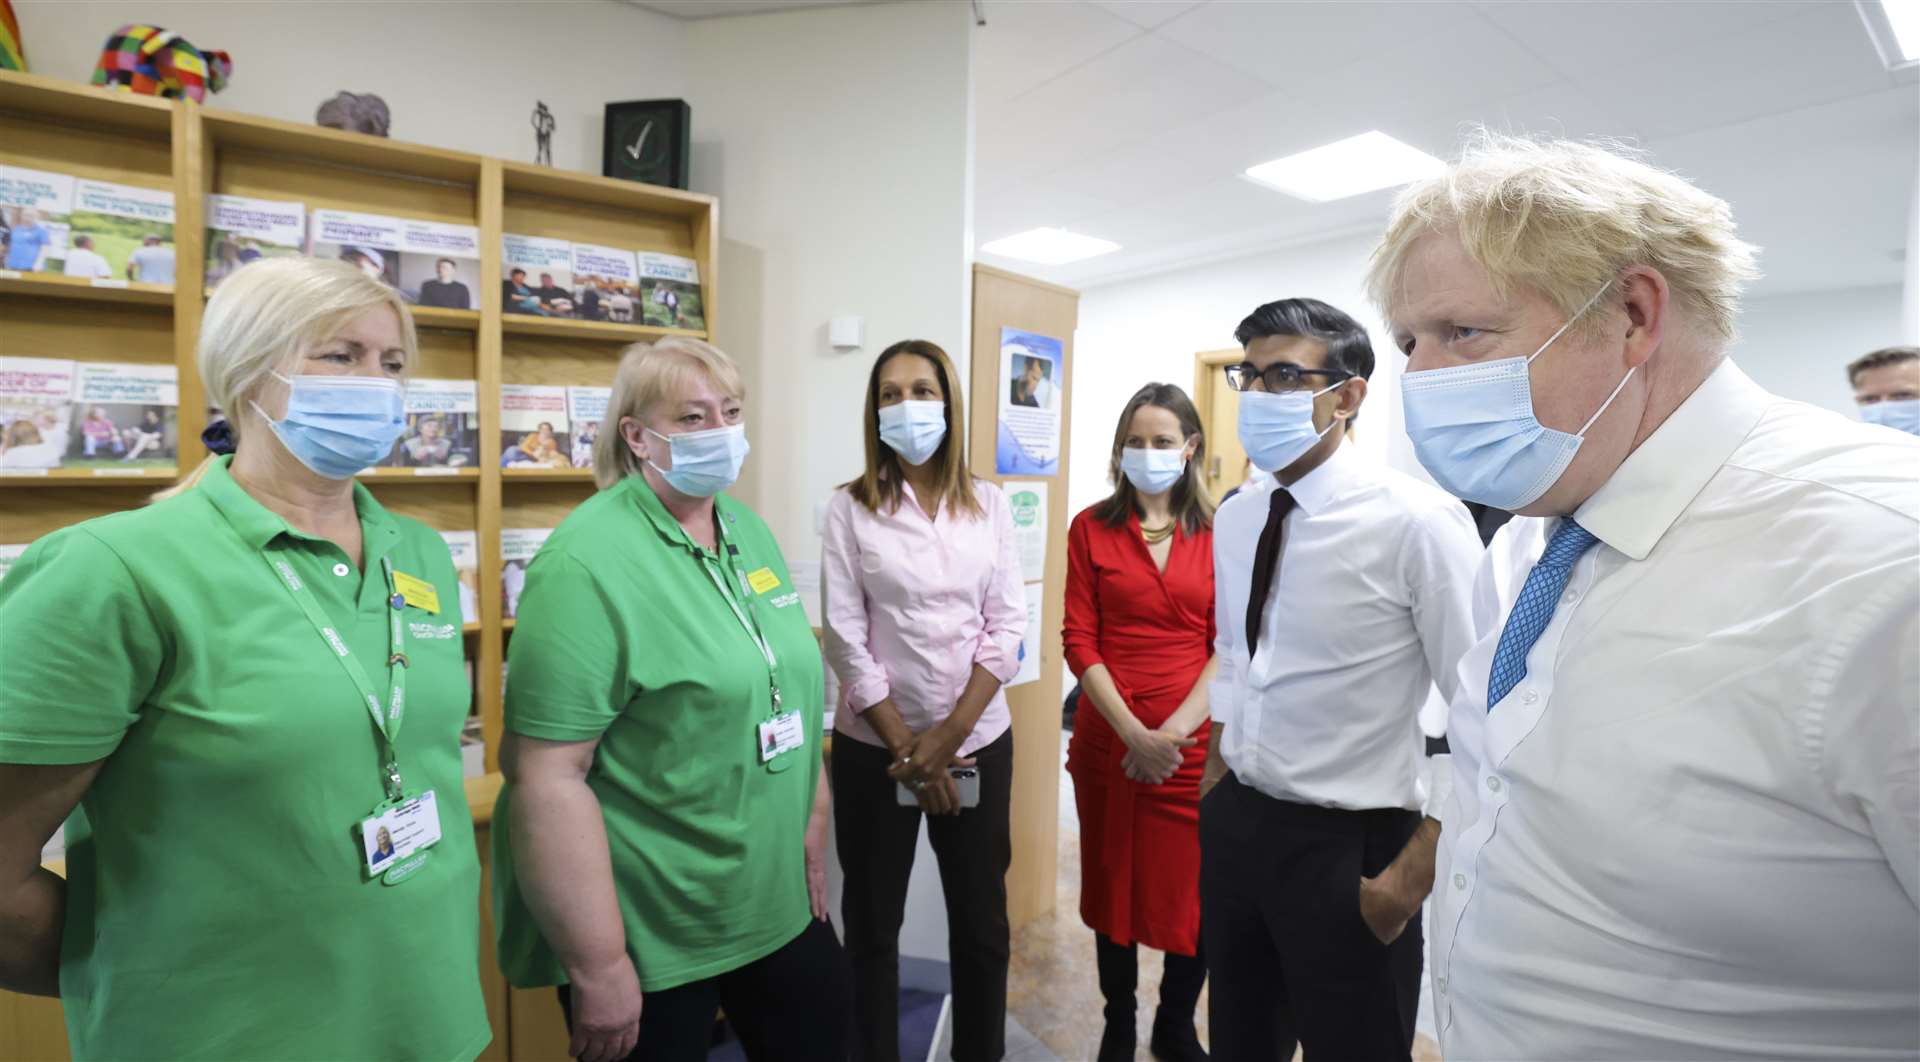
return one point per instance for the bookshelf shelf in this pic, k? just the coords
(424, 476)
(563, 328)
(547, 475)
(44, 285)
(194, 151)
(86, 477)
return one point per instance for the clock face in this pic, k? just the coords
(642, 147)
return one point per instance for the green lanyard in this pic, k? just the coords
(744, 616)
(387, 723)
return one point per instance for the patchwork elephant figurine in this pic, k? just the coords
(151, 61)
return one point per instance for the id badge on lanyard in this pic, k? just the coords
(395, 837)
(782, 732)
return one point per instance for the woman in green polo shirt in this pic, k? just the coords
(665, 809)
(241, 688)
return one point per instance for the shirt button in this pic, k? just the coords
(1493, 784)
(1572, 596)
(1529, 697)
(342, 570)
(1440, 984)
(1459, 881)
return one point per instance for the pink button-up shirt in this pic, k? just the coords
(911, 604)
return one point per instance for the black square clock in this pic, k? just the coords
(646, 140)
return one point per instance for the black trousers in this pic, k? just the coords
(876, 839)
(793, 1004)
(1290, 959)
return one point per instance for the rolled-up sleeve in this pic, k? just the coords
(1005, 609)
(1080, 630)
(843, 607)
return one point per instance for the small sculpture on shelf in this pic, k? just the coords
(542, 134)
(355, 112)
(150, 61)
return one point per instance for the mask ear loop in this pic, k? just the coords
(1577, 314)
(1621, 386)
(1322, 433)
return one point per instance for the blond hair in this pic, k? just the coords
(1565, 218)
(650, 374)
(263, 317)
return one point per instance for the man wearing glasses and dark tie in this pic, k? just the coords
(1343, 595)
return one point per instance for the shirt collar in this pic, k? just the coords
(725, 513)
(1661, 477)
(258, 525)
(1328, 483)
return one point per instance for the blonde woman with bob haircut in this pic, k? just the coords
(664, 816)
(924, 616)
(235, 692)
(1698, 737)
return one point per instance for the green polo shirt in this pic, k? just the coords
(217, 906)
(623, 636)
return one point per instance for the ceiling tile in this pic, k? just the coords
(1826, 50)
(1598, 38)
(1291, 44)
(1140, 89)
(1147, 13)
(1025, 45)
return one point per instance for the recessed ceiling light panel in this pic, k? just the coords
(1049, 246)
(1358, 164)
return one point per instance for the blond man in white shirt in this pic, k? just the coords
(1684, 818)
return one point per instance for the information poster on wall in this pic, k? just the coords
(1028, 500)
(1032, 390)
(1030, 642)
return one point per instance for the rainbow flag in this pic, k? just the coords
(12, 55)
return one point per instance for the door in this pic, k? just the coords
(1219, 406)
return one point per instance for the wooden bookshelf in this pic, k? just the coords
(195, 151)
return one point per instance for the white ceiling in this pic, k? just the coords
(1132, 121)
(698, 9)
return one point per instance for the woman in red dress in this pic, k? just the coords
(1139, 634)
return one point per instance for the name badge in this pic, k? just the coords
(781, 735)
(762, 580)
(417, 592)
(395, 838)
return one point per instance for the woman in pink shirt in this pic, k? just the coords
(924, 615)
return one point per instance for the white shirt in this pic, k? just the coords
(1371, 604)
(1691, 830)
(84, 263)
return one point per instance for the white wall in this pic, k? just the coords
(1138, 331)
(462, 76)
(839, 143)
(1798, 346)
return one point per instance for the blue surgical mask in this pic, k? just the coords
(1276, 429)
(704, 462)
(339, 425)
(1901, 413)
(1474, 429)
(1153, 471)
(914, 430)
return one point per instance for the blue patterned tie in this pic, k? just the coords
(1535, 606)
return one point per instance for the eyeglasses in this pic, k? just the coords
(1280, 376)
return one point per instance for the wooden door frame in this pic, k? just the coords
(1208, 382)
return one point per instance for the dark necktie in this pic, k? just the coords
(1266, 564)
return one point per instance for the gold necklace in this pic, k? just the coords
(1157, 535)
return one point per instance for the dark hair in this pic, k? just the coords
(1878, 358)
(449, 261)
(516, 271)
(878, 485)
(1191, 506)
(1348, 347)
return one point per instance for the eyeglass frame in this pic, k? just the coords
(1240, 377)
